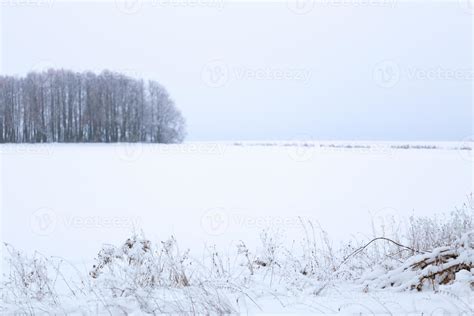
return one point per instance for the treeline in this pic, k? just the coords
(67, 106)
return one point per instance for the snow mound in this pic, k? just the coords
(446, 265)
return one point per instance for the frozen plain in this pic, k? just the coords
(69, 199)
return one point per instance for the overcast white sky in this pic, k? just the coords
(390, 71)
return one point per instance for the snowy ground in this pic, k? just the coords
(67, 200)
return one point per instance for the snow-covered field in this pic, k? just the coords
(68, 200)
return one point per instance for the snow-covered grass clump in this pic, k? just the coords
(310, 274)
